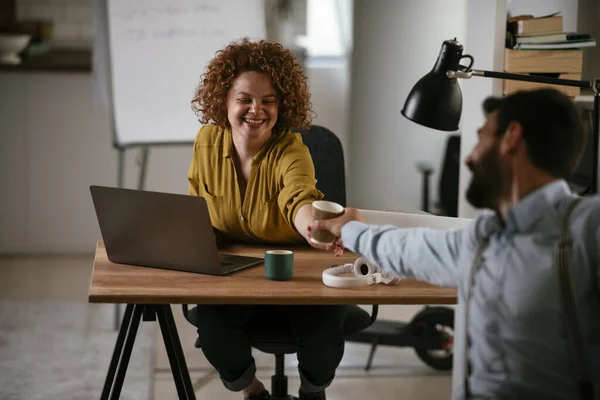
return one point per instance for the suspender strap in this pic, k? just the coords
(465, 357)
(564, 280)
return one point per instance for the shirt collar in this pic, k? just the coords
(262, 153)
(258, 157)
(523, 215)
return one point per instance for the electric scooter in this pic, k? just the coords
(430, 333)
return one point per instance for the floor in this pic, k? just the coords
(396, 373)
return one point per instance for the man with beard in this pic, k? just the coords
(511, 340)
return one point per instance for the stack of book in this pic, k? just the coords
(540, 46)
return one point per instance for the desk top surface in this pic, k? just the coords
(120, 283)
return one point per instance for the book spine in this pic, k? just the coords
(543, 61)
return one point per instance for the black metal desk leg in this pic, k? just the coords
(124, 336)
(122, 352)
(179, 368)
(124, 346)
(124, 363)
(114, 362)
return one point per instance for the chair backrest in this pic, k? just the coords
(448, 184)
(328, 157)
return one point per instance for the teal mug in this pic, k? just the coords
(279, 264)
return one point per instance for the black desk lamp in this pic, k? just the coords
(436, 99)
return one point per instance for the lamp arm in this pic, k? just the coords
(522, 77)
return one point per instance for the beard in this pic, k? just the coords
(486, 182)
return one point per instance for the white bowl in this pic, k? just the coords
(12, 43)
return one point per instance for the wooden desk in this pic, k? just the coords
(150, 291)
(118, 283)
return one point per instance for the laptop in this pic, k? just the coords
(161, 230)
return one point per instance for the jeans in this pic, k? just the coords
(318, 331)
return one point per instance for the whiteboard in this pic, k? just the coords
(157, 50)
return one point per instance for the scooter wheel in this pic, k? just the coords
(443, 322)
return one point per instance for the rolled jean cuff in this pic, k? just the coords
(309, 387)
(243, 381)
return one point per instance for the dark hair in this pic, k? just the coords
(272, 59)
(551, 126)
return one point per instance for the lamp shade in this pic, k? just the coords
(436, 100)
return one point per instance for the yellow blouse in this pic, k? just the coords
(282, 179)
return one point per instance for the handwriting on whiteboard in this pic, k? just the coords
(142, 34)
(146, 12)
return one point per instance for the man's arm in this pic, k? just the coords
(426, 254)
(431, 255)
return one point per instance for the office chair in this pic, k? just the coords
(447, 205)
(268, 334)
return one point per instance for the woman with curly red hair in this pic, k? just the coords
(259, 182)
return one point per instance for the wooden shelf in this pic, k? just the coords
(58, 60)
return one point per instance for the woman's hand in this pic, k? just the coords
(304, 218)
(335, 226)
(337, 247)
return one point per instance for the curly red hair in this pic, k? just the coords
(278, 63)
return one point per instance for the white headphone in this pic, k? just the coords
(365, 273)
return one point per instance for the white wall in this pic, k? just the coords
(486, 24)
(395, 44)
(54, 143)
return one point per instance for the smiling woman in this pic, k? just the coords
(283, 71)
(250, 96)
(258, 179)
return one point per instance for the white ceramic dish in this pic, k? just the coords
(11, 45)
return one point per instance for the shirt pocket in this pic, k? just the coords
(272, 210)
(216, 209)
(268, 218)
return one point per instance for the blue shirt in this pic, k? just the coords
(517, 345)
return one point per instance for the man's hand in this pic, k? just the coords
(335, 226)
